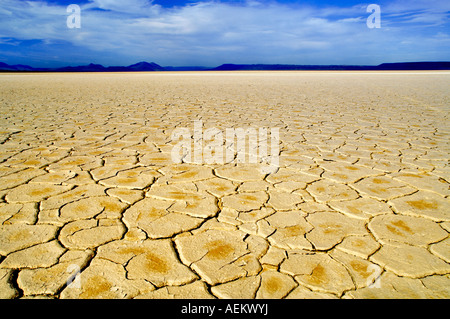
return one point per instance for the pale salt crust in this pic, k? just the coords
(358, 208)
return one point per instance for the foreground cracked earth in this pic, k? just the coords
(359, 207)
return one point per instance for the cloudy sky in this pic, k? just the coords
(209, 33)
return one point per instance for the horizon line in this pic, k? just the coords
(152, 66)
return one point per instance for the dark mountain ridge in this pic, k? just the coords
(381, 67)
(140, 66)
(146, 67)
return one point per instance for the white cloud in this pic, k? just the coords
(408, 5)
(212, 32)
(129, 6)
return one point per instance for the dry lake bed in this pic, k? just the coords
(94, 204)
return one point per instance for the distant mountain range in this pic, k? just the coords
(141, 66)
(384, 66)
(145, 66)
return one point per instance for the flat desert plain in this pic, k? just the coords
(93, 204)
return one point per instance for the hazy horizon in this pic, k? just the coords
(48, 33)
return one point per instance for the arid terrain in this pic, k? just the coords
(92, 204)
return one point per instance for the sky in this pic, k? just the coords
(212, 32)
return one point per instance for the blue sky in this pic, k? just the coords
(209, 33)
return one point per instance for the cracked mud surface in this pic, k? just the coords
(359, 207)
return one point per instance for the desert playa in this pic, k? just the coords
(92, 204)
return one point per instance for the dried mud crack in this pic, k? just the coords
(94, 206)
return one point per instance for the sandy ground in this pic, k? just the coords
(93, 206)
